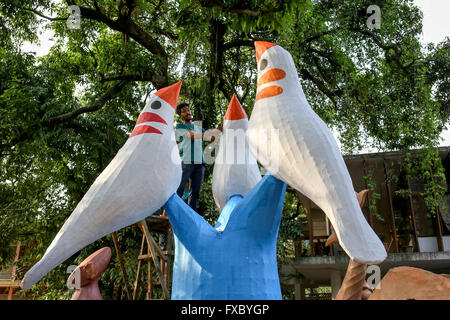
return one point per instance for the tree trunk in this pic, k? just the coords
(216, 41)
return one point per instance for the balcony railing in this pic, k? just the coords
(6, 275)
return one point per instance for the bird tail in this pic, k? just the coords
(73, 236)
(356, 236)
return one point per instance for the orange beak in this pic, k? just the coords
(170, 94)
(261, 47)
(235, 110)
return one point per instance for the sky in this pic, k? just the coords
(436, 26)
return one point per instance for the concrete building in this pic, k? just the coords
(412, 237)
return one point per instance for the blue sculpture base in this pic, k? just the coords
(236, 259)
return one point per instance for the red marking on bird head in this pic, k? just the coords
(143, 129)
(150, 117)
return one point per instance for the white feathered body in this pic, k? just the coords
(305, 155)
(142, 176)
(235, 169)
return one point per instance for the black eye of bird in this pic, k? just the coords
(263, 64)
(156, 105)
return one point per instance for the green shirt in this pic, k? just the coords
(191, 150)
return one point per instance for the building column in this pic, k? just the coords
(299, 289)
(336, 282)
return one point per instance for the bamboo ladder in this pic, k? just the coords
(162, 260)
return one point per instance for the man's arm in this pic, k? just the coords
(193, 135)
(208, 136)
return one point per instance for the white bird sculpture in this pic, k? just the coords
(303, 152)
(235, 169)
(139, 180)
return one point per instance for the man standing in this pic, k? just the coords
(191, 137)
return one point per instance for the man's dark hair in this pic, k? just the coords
(181, 106)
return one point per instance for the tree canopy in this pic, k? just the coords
(64, 115)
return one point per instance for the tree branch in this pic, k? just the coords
(238, 43)
(320, 85)
(147, 76)
(128, 27)
(44, 16)
(236, 9)
(248, 85)
(392, 57)
(96, 6)
(125, 25)
(317, 36)
(109, 94)
(326, 55)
